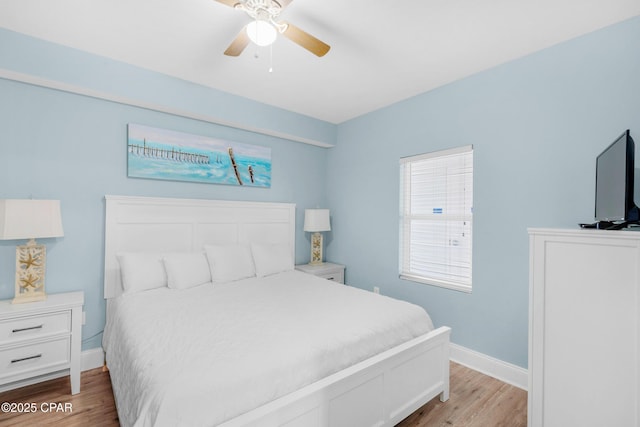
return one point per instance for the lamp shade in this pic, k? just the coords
(30, 219)
(316, 220)
(261, 32)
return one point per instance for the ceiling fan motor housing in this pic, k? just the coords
(260, 9)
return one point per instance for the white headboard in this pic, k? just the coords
(151, 224)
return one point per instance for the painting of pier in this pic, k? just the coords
(169, 155)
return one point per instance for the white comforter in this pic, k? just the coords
(204, 355)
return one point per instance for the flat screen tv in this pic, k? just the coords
(615, 207)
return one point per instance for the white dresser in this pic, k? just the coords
(584, 328)
(41, 340)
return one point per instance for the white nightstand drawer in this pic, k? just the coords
(35, 326)
(24, 361)
(326, 270)
(338, 276)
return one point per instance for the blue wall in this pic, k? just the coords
(537, 125)
(65, 146)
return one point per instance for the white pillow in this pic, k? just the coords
(229, 262)
(141, 271)
(271, 258)
(187, 270)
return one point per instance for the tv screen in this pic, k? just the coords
(614, 182)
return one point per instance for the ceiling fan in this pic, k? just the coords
(265, 26)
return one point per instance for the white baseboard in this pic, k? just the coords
(510, 374)
(91, 359)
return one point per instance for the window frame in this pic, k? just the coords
(448, 280)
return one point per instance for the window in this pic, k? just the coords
(436, 212)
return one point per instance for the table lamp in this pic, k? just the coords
(316, 221)
(30, 219)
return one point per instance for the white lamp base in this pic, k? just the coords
(316, 249)
(31, 262)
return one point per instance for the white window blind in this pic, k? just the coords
(436, 218)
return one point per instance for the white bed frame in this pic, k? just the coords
(380, 391)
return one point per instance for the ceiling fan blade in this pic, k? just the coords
(306, 40)
(238, 44)
(230, 3)
(283, 3)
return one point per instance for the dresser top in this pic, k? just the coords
(625, 234)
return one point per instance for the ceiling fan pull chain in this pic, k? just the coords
(255, 30)
(256, 55)
(271, 58)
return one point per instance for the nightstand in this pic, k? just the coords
(325, 270)
(41, 340)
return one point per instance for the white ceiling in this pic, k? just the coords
(381, 52)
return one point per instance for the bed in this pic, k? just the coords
(232, 335)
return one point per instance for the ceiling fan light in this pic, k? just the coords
(261, 32)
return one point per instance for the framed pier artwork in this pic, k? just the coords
(164, 154)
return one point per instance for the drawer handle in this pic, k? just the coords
(27, 329)
(37, 356)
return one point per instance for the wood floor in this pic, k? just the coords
(475, 400)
